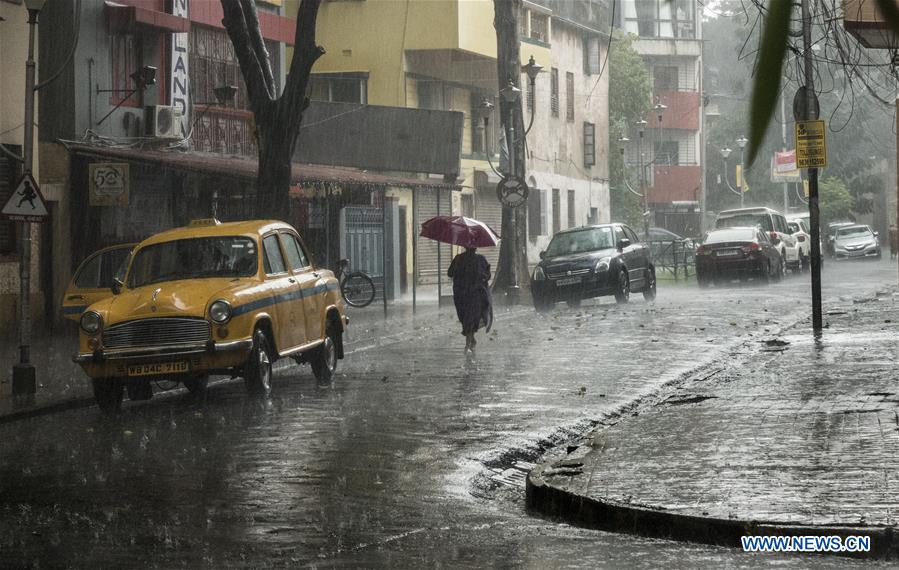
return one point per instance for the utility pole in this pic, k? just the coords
(783, 148)
(814, 218)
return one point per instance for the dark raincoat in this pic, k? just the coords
(471, 293)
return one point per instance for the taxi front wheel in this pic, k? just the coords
(108, 392)
(258, 369)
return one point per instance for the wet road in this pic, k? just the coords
(407, 459)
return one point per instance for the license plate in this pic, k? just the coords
(727, 253)
(568, 281)
(157, 368)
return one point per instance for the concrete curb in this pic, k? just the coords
(601, 514)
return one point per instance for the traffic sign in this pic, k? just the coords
(811, 144)
(26, 204)
(512, 191)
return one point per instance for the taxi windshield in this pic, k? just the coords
(194, 258)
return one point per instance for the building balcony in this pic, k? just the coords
(675, 184)
(223, 131)
(683, 111)
(862, 19)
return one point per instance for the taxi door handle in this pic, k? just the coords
(292, 280)
(75, 297)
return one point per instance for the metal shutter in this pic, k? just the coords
(426, 202)
(488, 209)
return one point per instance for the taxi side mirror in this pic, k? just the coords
(117, 285)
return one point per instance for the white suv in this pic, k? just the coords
(800, 231)
(773, 223)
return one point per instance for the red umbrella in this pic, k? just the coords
(459, 230)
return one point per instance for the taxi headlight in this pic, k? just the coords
(539, 275)
(602, 265)
(91, 322)
(220, 312)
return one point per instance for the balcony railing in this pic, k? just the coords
(225, 131)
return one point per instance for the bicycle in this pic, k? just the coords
(356, 288)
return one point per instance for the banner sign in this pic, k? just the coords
(783, 167)
(811, 144)
(179, 93)
(109, 183)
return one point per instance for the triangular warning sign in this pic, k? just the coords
(26, 204)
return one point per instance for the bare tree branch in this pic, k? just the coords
(306, 53)
(236, 25)
(251, 16)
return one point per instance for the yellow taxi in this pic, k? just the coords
(212, 298)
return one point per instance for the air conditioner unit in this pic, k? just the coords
(163, 121)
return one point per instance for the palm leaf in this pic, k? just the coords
(766, 86)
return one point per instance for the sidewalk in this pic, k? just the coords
(61, 384)
(788, 436)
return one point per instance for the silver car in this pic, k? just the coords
(856, 241)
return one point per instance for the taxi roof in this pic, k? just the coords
(248, 228)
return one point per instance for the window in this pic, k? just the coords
(569, 96)
(593, 218)
(619, 234)
(125, 60)
(668, 154)
(467, 203)
(273, 262)
(339, 87)
(295, 256)
(99, 272)
(629, 234)
(557, 211)
(527, 82)
(572, 220)
(535, 213)
(589, 144)
(664, 78)
(591, 55)
(660, 18)
(554, 92)
(540, 27)
(478, 143)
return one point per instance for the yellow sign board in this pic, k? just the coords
(811, 144)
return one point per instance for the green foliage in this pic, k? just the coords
(629, 100)
(834, 200)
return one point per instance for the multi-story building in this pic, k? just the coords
(13, 54)
(669, 38)
(441, 54)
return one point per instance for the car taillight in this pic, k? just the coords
(800, 238)
(751, 247)
(703, 250)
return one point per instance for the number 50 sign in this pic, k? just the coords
(109, 184)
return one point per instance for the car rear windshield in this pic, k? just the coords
(581, 241)
(220, 256)
(857, 231)
(750, 220)
(735, 234)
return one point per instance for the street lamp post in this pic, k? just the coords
(641, 129)
(741, 142)
(725, 153)
(511, 95)
(23, 376)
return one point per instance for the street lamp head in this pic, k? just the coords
(742, 142)
(144, 76)
(225, 94)
(660, 110)
(622, 143)
(510, 93)
(485, 109)
(532, 69)
(35, 5)
(725, 152)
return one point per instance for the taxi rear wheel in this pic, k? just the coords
(108, 392)
(324, 358)
(258, 369)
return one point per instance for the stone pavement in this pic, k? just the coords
(785, 436)
(61, 384)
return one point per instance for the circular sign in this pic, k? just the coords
(800, 102)
(512, 192)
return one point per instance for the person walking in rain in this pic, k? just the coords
(470, 272)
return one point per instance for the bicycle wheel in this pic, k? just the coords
(358, 289)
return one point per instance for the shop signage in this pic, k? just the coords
(109, 183)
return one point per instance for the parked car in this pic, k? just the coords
(739, 252)
(591, 261)
(772, 222)
(799, 230)
(212, 298)
(832, 228)
(856, 241)
(94, 279)
(661, 234)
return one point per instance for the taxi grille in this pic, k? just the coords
(563, 274)
(156, 332)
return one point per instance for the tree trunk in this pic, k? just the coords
(512, 267)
